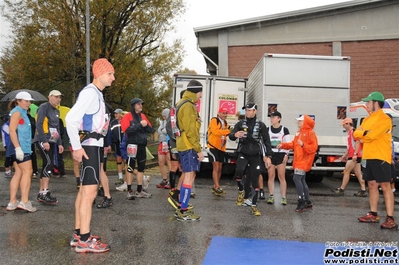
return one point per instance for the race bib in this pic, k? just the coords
(54, 135)
(275, 142)
(131, 150)
(104, 130)
(165, 147)
(363, 163)
(299, 172)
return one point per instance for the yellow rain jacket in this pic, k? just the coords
(377, 143)
(189, 124)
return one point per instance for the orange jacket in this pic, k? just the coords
(215, 132)
(303, 156)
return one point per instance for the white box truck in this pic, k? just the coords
(218, 91)
(318, 86)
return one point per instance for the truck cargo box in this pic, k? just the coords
(318, 86)
(218, 91)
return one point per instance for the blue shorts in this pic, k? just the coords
(189, 161)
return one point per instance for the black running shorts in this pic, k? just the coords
(90, 172)
(215, 155)
(277, 158)
(377, 170)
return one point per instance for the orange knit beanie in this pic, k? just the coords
(102, 66)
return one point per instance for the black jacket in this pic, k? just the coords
(250, 145)
(136, 133)
(116, 132)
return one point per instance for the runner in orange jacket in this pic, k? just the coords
(217, 137)
(305, 147)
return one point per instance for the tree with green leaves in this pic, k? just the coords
(48, 48)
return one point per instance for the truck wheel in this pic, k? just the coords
(311, 177)
(329, 174)
(318, 178)
(205, 171)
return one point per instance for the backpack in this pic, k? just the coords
(172, 126)
(217, 122)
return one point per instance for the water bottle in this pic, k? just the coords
(223, 140)
(245, 129)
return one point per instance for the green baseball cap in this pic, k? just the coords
(376, 96)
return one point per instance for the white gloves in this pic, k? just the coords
(19, 154)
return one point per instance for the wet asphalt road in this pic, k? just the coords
(144, 231)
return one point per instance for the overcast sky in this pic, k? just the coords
(208, 12)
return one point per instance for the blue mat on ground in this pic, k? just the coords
(228, 250)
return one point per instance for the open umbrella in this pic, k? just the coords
(37, 96)
(63, 112)
(33, 109)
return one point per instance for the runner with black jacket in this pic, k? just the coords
(116, 139)
(253, 148)
(136, 126)
(46, 138)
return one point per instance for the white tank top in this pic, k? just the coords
(278, 138)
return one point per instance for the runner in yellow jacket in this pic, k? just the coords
(189, 147)
(376, 134)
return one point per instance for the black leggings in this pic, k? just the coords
(249, 166)
(7, 160)
(47, 158)
(301, 186)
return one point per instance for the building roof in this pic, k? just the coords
(286, 15)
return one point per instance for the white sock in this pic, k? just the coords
(120, 175)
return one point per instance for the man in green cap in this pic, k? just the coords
(376, 134)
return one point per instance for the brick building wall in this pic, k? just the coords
(374, 64)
